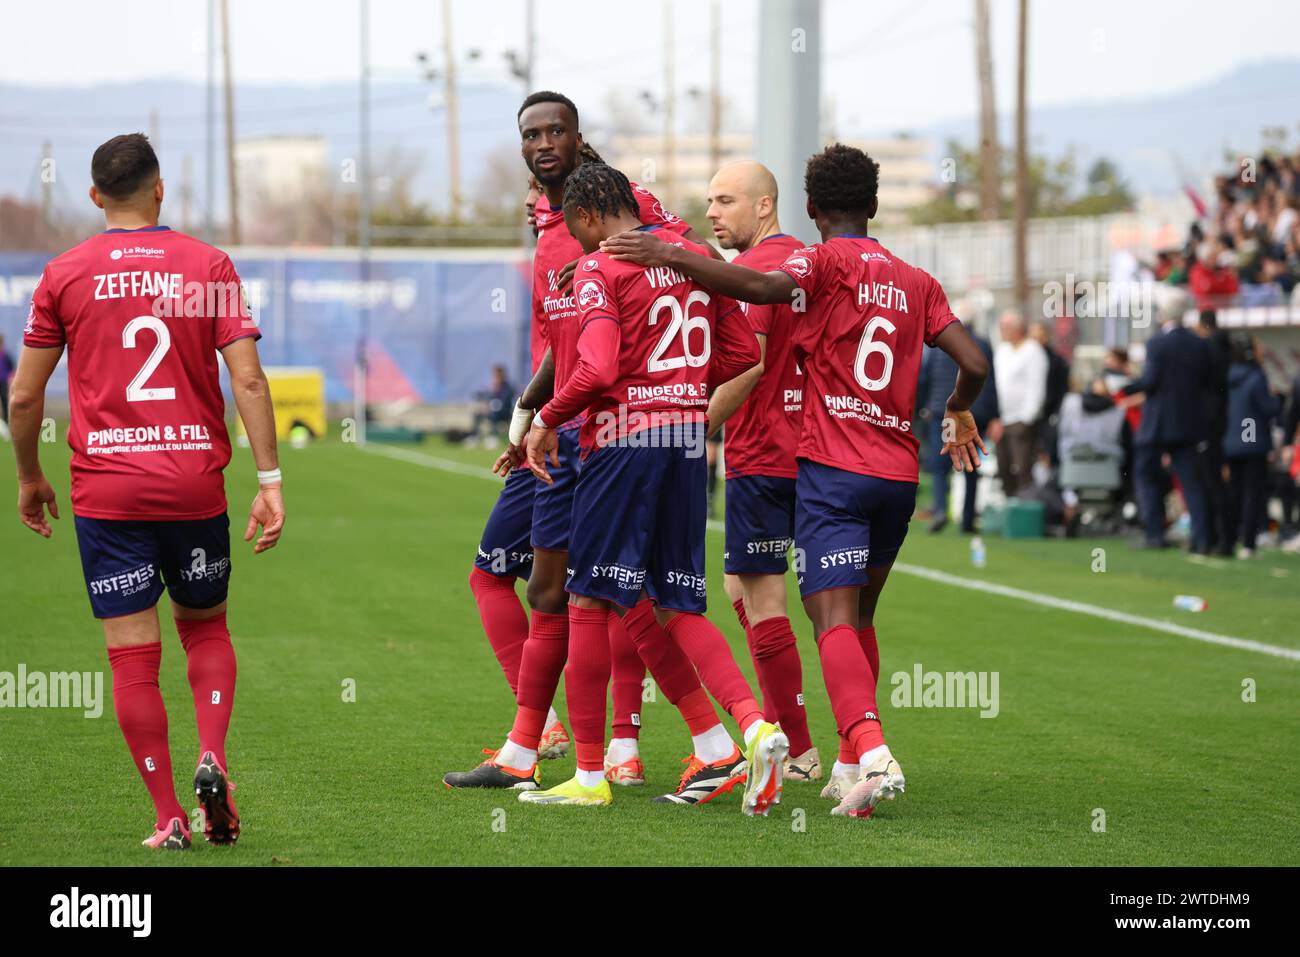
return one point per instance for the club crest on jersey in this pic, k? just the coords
(798, 265)
(591, 295)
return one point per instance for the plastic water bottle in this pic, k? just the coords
(977, 554)
(1190, 603)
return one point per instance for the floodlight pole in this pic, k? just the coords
(787, 117)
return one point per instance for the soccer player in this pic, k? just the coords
(527, 532)
(142, 311)
(762, 411)
(651, 345)
(866, 316)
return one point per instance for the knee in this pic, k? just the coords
(547, 597)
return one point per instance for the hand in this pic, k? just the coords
(267, 511)
(640, 247)
(33, 499)
(962, 442)
(564, 281)
(510, 459)
(540, 446)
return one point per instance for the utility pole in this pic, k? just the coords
(789, 86)
(453, 113)
(210, 143)
(1022, 163)
(990, 171)
(715, 87)
(47, 198)
(231, 174)
(361, 372)
(186, 191)
(670, 141)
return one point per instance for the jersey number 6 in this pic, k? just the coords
(136, 392)
(869, 346)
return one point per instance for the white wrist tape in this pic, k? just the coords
(268, 477)
(520, 422)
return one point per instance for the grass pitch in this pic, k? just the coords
(1099, 722)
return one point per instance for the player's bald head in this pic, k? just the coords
(746, 178)
(742, 204)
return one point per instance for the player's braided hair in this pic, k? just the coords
(600, 189)
(842, 179)
(588, 154)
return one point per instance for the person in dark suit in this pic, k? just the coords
(938, 376)
(1210, 453)
(1173, 423)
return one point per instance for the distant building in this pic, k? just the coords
(279, 178)
(906, 171)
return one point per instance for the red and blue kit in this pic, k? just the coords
(529, 513)
(142, 314)
(652, 345)
(762, 434)
(868, 316)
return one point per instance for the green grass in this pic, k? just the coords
(369, 584)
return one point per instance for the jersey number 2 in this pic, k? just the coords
(680, 321)
(136, 392)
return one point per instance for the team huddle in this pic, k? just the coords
(645, 342)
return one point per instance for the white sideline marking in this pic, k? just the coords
(1063, 604)
(920, 571)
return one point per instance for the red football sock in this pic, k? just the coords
(627, 672)
(707, 649)
(586, 683)
(851, 686)
(211, 668)
(847, 755)
(671, 670)
(504, 620)
(698, 711)
(739, 606)
(867, 638)
(780, 674)
(143, 720)
(540, 665)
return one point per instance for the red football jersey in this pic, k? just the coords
(652, 344)
(556, 248)
(142, 313)
(762, 434)
(859, 343)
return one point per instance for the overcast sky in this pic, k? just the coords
(887, 63)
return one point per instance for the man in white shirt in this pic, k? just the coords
(1020, 367)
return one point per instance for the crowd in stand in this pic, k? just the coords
(1246, 249)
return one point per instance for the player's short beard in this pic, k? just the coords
(552, 180)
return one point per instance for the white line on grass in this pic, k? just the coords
(919, 571)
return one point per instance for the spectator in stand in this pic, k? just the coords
(1020, 368)
(1247, 442)
(493, 416)
(1291, 440)
(1212, 280)
(1116, 378)
(1173, 422)
(1058, 384)
(938, 376)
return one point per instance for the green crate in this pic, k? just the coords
(1023, 519)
